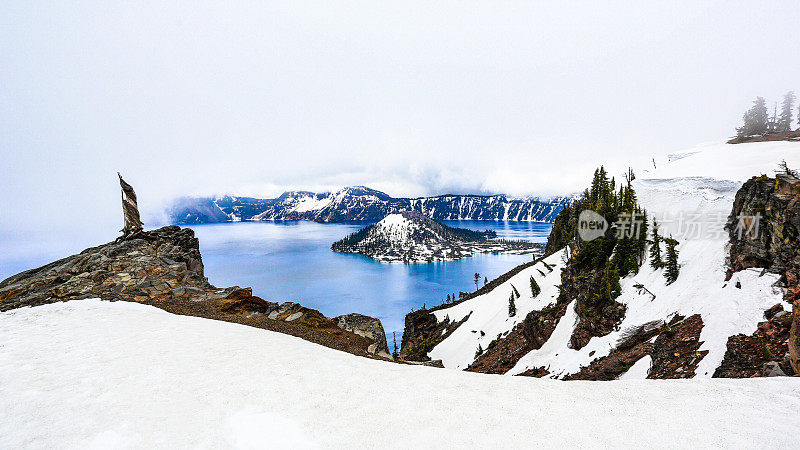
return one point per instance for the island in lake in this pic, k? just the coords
(411, 237)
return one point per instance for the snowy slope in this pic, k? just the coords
(691, 194)
(121, 375)
(395, 229)
(488, 313)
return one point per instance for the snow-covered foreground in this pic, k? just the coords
(115, 375)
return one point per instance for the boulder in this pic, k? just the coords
(368, 327)
(772, 369)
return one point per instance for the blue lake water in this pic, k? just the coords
(292, 261)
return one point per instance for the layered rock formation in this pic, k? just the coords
(764, 229)
(164, 268)
(366, 326)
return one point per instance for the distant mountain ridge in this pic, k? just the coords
(361, 203)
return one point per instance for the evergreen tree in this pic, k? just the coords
(672, 269)
(476, 278)
(787, 110)
(479, 351)
(755, 119)
(395, 353)
(448, 298)
(772, 122)
(609, 285)
(485, 281)
(655, 248)
(535, 289)
(512, 307)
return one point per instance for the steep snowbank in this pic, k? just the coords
(691, 195)
(488, 313)
(123, 375)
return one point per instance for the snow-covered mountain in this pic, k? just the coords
(94, 374)
(411, 236)
(683, 329)
(363, 204)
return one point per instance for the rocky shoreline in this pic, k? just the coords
(164, 268)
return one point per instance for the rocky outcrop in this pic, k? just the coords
(764, 350)
(162, 264)
(635, 345)
(503, 353)
(676, 351)
(673, 348)
(422, 332)
(163, 268)
(764, 230)
(594, 319)
(411, 237)
(783, 136)
(368, 327)
(360, 203)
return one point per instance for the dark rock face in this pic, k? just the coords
(776, 246)
(748, 355)
(163, 268)
(422, 332)
(530, 334)
(593, 319)
(634, 345)
(784, 136)
(675, 351)
(362, 204)
(163, 264)
(368, 327)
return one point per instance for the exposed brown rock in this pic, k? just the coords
(594, 320)
(776, 246)
(368, 327)
(163, 268)
(632, 347)
(530, 334)
(746, 356)
(675, 352)
(422, 332)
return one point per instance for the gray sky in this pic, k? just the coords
(410, 98)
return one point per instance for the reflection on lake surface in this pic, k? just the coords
(292, 261)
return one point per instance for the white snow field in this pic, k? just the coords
(93, 374)
(691, 195)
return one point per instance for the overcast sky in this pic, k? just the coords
(411, 98)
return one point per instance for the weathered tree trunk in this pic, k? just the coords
(133, 223)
